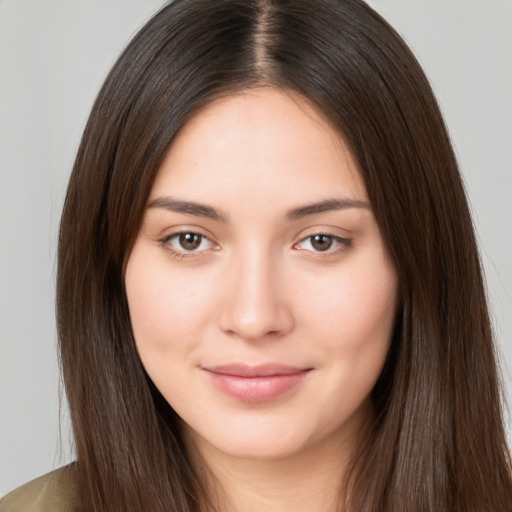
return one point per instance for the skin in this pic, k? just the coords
(256, 290)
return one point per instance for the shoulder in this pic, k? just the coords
(53, 492)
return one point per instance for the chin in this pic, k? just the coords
(256, 440)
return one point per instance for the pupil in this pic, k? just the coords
(321, 242)
(190, 241)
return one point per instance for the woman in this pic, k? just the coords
(269, 291)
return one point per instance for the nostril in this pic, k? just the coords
(254, 335)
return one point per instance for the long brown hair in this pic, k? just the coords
(437, 443)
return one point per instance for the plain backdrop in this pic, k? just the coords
(54, 55)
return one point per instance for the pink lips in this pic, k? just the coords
(255, 383)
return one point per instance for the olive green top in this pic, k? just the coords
(53, 492)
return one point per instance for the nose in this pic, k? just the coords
(256, 303)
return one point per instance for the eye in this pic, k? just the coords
(323, 243)
(187, 243)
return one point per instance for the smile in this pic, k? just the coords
(254, 384)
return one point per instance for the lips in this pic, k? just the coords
(254, 384)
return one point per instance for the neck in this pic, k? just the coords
(310, 481)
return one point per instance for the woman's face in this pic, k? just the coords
(261, 297)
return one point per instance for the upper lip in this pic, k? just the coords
(260, 370)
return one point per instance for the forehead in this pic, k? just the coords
(261, 142)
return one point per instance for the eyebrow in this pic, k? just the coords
(188, 207)
(203, 210)
(325, 206)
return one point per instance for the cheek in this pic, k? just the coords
(354, 317)
(354, 320)
(363, 300)
(167, 309)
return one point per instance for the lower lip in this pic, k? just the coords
(256, 389)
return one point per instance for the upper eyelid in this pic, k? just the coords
(324, 233)
(171, 231)
(320, 228)
(331, 231)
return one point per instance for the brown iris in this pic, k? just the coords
(321, 242)
(190, 241)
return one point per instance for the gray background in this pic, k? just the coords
(54, 55)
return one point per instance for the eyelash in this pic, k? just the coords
(343, 244)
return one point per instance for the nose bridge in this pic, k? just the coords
(255, 305)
